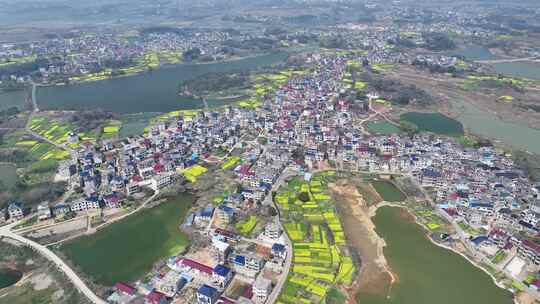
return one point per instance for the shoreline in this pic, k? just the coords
(161, 67)
(373, 211)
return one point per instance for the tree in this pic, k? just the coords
(303, 196)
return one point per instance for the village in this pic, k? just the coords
(308, 125)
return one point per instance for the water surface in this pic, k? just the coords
(487, 124)
(522, 69)
(127, 250)
(155, 91)
(9, 277)
(12, 99)
(474, 52)
(434, 122)
(428, 274)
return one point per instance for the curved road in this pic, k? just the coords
(5, 231)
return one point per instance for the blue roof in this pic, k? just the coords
(431, 173)
(207, 212)
(208, 291)
(225, 208)
(222, 270)
(15, 205)
(278, 247)
(479, 240)
(485, 205)
(240, 260)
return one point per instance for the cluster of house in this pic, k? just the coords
(92, 52)
(307, 123)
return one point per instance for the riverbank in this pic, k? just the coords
(375, 275)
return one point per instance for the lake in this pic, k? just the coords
(434, 122)
(8, 175)
(382, 127)
(388, 191)
(474, 52)
(522, 69)
(127, 250)
(426, 273)
(12, 99)
(155, 91)
(9, 277)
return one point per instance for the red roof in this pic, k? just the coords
(125, 288)
(158, 168)
(225, 233)
(248, 292)
(451, 212)
(453, 196)
(196, 265)
(136, 178)
(155, 297)
(226, 300)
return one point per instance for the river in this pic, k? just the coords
(487, 124)
(155, 91)
(426, 273)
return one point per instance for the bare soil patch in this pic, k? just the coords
(375, 276)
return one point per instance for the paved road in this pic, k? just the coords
(5, 231)
(288, 244)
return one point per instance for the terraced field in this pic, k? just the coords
(56, 131)
(320, 258)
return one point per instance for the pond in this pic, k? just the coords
(127, 250)
(382, 127)
(12, 99)
(426, 273)
(388, 191)
(155, 91)
(522, 69)
(134, 124)
(8, 175)
(434, 122)
(9, 277)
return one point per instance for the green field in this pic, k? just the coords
(388, 191)
(427, 273)
(434, 122)
(382, 127)
(319, 263)
(127, 250)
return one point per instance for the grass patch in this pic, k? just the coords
(246, 227)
